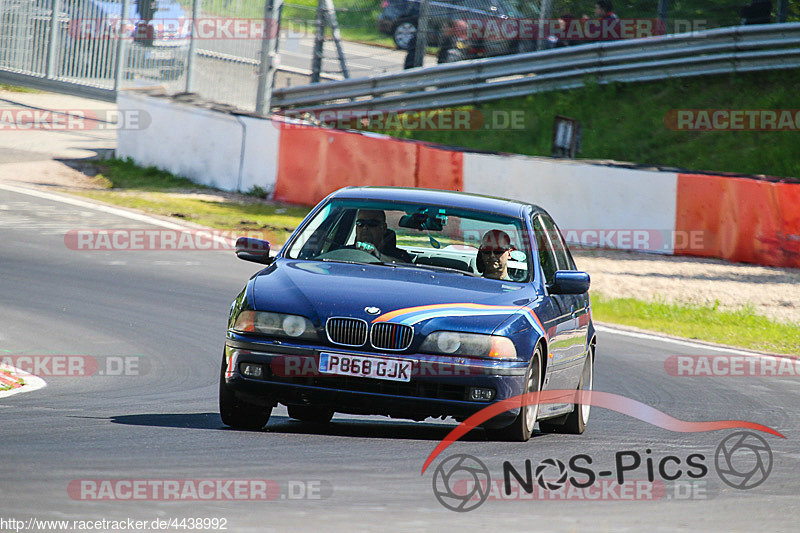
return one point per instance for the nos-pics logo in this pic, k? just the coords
(462, 482)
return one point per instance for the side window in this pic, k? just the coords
(546, 257)
(562, 255)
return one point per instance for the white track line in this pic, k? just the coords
(687, 343)
(97, 207)
(111, 210)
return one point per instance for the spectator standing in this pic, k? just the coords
(606, 25)
(758, 12)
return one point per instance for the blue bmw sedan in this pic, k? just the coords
(411, 303)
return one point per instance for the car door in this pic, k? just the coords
(578, 305)
(560, 325)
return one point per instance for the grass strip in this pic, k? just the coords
(741, 327)
(626, 122)
(17, 89)
(161, 193)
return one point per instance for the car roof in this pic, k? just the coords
(437, 197)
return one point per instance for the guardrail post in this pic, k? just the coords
(268, 57)
(544, 14)
(192, 47)
(319, 41)
(337, 36)
(52, 49)
(121, 45)
(422, 33)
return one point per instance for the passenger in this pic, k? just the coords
(371, 229)
(493, 254)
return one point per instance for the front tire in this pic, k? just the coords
(575, 422)
(521, 429)
(236, 413)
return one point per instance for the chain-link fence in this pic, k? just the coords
(469, 29)
(377, 34)
(80, 41)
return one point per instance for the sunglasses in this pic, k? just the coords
(495, 252)
(368, 223)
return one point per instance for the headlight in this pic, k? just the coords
(469, 344)
(275, 324)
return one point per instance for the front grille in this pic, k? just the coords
(388, 336)
(347, 331)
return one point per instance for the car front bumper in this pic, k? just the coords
(439, 386)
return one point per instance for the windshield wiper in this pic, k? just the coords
(379, 263)
(441, 268)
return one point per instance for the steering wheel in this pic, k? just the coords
(351, 253)
(369, 248)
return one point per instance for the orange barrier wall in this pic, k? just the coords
(439, 169)
(314, 162)
(738, 219)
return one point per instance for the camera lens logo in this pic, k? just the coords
(743, 460)
(553, 483)
(458, 480)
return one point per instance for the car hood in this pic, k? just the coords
(320, 290)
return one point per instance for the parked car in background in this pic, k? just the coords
(400, 18)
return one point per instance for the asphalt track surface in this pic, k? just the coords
(170, 308)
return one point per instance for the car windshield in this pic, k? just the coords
(406, 235)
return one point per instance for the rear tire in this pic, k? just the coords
(238, 414)
(575, 422)
(310, 413)
(521, 429)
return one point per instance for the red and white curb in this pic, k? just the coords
(13, 380)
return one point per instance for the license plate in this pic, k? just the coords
(365, 367)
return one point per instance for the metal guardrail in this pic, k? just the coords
(717, 51)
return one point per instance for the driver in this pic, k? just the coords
(371, 229)
(493, 254)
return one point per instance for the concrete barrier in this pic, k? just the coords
(201, 144)
(588, 202)
(259, 157)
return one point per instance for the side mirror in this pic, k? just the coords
(570, 282)
(254, 250)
